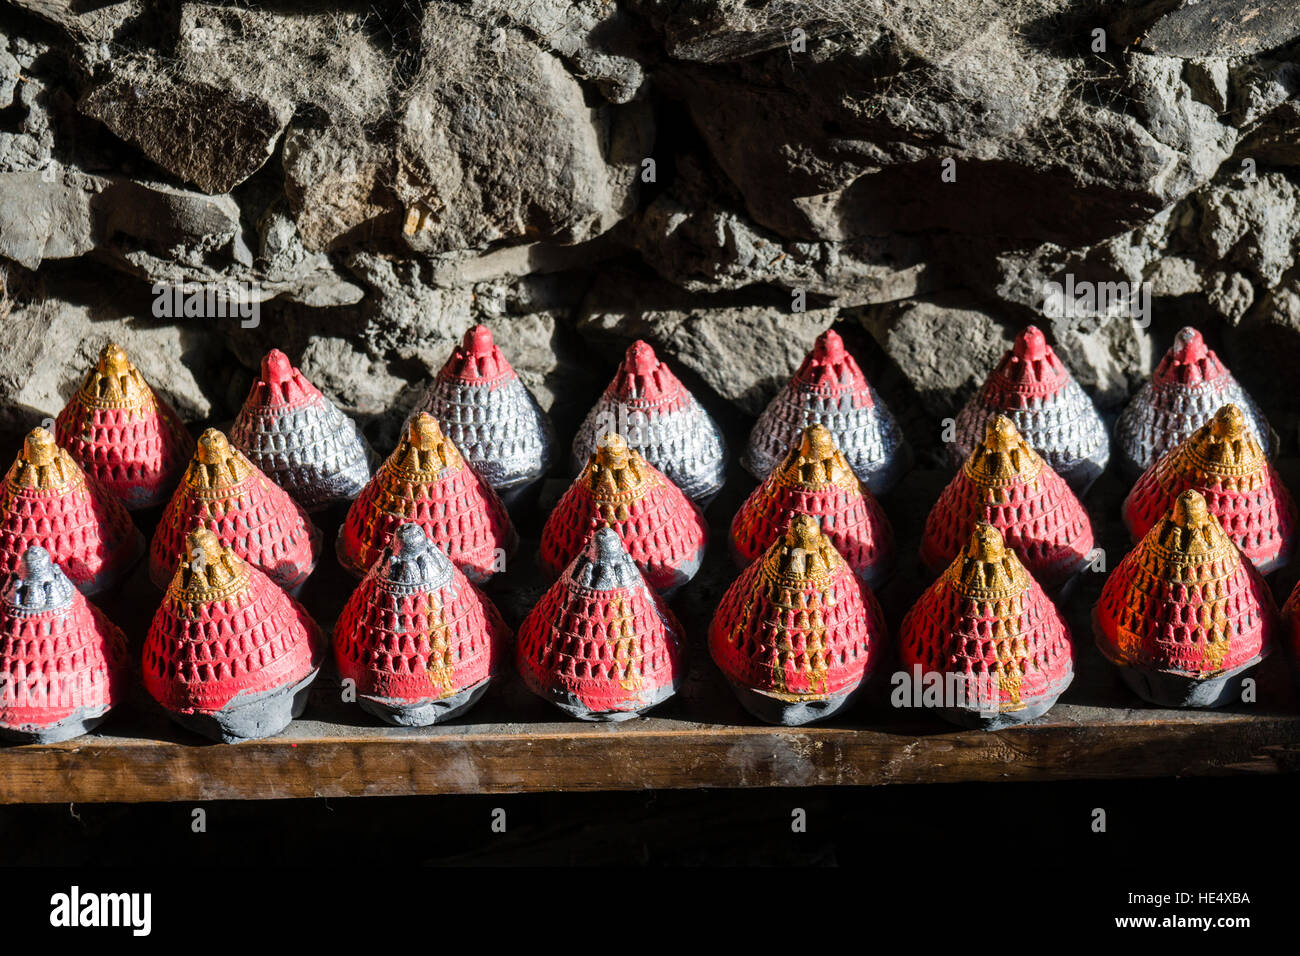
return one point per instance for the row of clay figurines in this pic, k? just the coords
(231, 654)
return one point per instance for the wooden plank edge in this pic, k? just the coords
(483, 764)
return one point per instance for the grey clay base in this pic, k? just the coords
(786, 713)
(424, 713)
(1176, 690)
(74, 725)
(975, 720)
(252, 717)
(571, 706)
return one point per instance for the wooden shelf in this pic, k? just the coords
(513, 742)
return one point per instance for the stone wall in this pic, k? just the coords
(381, 175)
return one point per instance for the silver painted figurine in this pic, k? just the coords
(300, 439)
(649, 406)
(1188, 386)
(1052, 412)
(481, 405)
(829, 389)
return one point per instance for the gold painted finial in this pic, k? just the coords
(424, 452)
(1224, 447)
(987, 570)
(815, 463)
(618, 477)
(802, 554)
(216, 465)
(1190, 509)
(43, 465)
(115, 382)
(1002, 457)
(207, 570)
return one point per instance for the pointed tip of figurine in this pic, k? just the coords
(612, 451)
(415, 560)
(817, 443)
(410, 540)
(202, 541)
(41, 583)
(604, 564)
(804, 533)
(1000, 433)
(829, 346)
(1190, 509)
(113, 360)
(206, 564)
(606, 545)
(36, 563)
(1031, 344)
(986, 544)
(213, 447)
(478, 341)
(276, 368)
(641, 358)
(1229, 422)
(424, 432)
(1189, 345)
(39, 447)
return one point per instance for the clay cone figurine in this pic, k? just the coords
(299, 439)
(1223, 461)
(1006, 483)
(123, 434)
(1188, 386)
(48, 501)
(830, 389)
(660, 527)
(986, 627)
(420, 643)
(226, 493)
(1184, 614)
(600, 644)
(62, 662)
(1036, 391)
(426, 481)
(798, 632)
(651, 408)
(229, 655)
(491, 415)
(815, 479)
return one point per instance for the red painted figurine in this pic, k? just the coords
(1223, 461)
(299, 438)
(600, 644)
(650, 407)
(1032, 387)
(227, 494)
(1006, 483)
(829, 389)
(418, 641)
(798, 632)
(425, 480)
(661, 528)
(229, 655)
(484, 407)
(1188, 386)
(1185, 613)
(988, 630)
(63, 664)
(815, 479)
(123, 434)
(49, 502)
